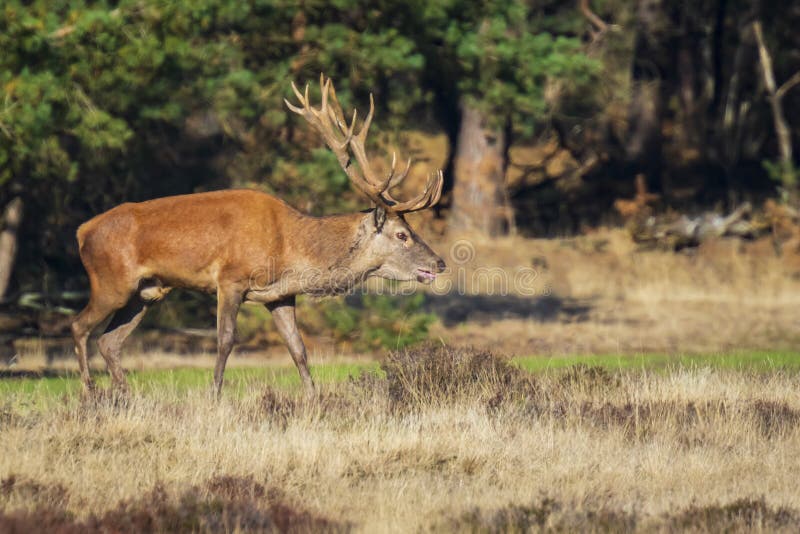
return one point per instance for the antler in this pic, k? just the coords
(330, 122)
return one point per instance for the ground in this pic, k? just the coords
(432, 438)
(600, 294)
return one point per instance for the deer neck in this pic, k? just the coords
(334, 247)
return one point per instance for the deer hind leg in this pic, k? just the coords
(286, 323)
(228, 302)
(87, 320)
(125, 320)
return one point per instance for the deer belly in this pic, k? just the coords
(157, 281)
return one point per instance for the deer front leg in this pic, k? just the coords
(228, 302)
(286, 323)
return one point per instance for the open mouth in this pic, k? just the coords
(425, 276)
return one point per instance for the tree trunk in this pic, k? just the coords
(782, 131)
(8, 242)
(479, 196)
(689, 71)
(646, 111)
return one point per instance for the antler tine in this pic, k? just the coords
(429, 197)
(414, 203)
(362, 134)
(348, 133)
(434, 198)
(391, 170)
(298, 94)
(335, 111)
(357, 143)
(306, 110)
(431, 193)
(439, 189)
(336, 115)
(396, 180)
(289, 105)
(324, 87)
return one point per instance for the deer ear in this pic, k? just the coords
(379, 218)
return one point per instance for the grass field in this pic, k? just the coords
(238, 380)
(433, 439)
(41, 385)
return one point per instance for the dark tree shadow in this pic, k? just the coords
(453, 309)
(43, 373)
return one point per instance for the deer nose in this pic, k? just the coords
(441, 265)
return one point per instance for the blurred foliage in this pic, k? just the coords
(505, 56)
(371, 322)
(361, 322)
(780, 172)
(252, 323)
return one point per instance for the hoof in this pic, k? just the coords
(89, 391)
(311, 392)
(117, 397)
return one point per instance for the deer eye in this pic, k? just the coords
(401, 236)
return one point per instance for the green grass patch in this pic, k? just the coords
(237, 380)
(38, 390)
(737, 360)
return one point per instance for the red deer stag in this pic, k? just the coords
(248, 246)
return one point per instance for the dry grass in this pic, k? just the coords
(599, 294)
(34, 359)
(451, 439)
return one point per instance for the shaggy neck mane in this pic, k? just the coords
(332, 242)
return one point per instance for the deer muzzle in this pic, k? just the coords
(426, 276)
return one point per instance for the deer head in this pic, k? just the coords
(393, 249)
